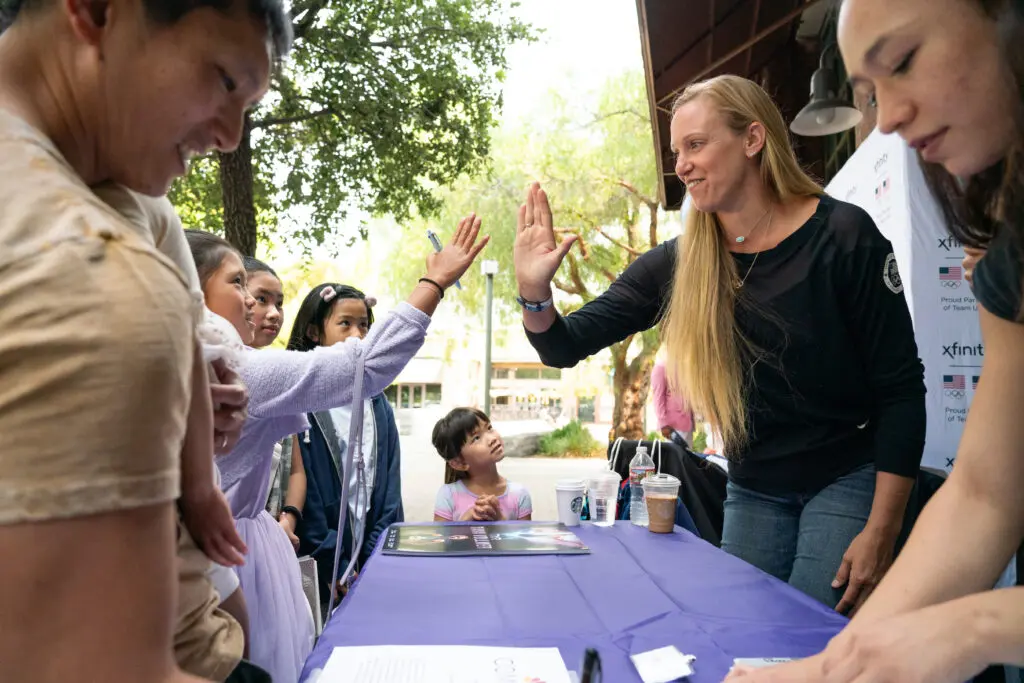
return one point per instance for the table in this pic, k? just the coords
(637, 591)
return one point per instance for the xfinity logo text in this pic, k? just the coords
(881, 160)
(956, 350)
(949, 243)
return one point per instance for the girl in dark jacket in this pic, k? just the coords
(331, 314)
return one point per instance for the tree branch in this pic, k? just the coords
(623, 348)
(620, 112)
(577, 279)
(584, 249)
(630, 188)
(637, 365)
(415, 38)
(618, 243)
(288, 120)
(303, 15)
(565, 287)
(652, 229)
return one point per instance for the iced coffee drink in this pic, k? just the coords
(661, 492)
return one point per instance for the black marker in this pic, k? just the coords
(590, 672)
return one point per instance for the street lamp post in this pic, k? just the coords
(489, 268)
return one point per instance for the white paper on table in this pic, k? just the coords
(663, 665)
(443, 664)
(760, 662)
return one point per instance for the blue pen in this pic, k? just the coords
(437, 247)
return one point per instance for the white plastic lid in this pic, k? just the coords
(661, 483)
(606, 475)
(569, 484)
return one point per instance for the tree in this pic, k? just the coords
(601, 178)
(380, 104)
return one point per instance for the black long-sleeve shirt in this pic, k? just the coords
(842, 384)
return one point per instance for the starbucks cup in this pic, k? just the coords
(570, 494)
(661, 492)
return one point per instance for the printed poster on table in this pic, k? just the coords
(508, 538)
(884, 178)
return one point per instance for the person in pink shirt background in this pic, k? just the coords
(675, 418)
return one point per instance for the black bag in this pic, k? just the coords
(702, 487)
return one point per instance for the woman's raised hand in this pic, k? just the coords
(536, 255)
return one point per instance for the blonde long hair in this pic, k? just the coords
(706, 349)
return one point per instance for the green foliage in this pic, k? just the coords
(601, 180)
(200, 204)
(654, 436)
(380, 104)
(700, 441)
(571, 441)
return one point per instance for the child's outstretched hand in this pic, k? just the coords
(452, 262)
(208, 519)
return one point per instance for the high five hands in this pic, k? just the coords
(536, 255)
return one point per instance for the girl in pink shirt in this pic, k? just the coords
(473, 490)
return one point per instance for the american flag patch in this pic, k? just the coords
(974, 382)
(955, 382)
(950, 273)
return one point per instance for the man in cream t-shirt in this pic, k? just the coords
(96, 360)
(211, 624)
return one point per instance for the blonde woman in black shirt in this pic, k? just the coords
(946, 75)
(785, 325)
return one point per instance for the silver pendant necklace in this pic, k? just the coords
(738, 284)
(743, 238)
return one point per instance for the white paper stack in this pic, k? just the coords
(663, 665)
(443, 664)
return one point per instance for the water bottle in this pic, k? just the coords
(640, 467)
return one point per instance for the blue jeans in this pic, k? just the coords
(798, 538)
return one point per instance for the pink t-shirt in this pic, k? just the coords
(671, 410)
(454, 500)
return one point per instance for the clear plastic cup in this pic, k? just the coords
(661, 492)
(570, 493)
(603, 493)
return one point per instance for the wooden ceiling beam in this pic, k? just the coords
(732, 54)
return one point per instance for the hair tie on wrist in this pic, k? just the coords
(328, 293)
(292, 510)
(439, 288)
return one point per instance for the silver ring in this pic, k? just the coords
(528, 225)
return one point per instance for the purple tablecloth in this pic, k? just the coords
(637, 591)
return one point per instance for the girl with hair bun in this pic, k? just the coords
(332, 314)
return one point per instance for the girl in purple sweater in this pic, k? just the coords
(283, 387)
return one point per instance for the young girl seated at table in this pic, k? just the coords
(473, 489)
